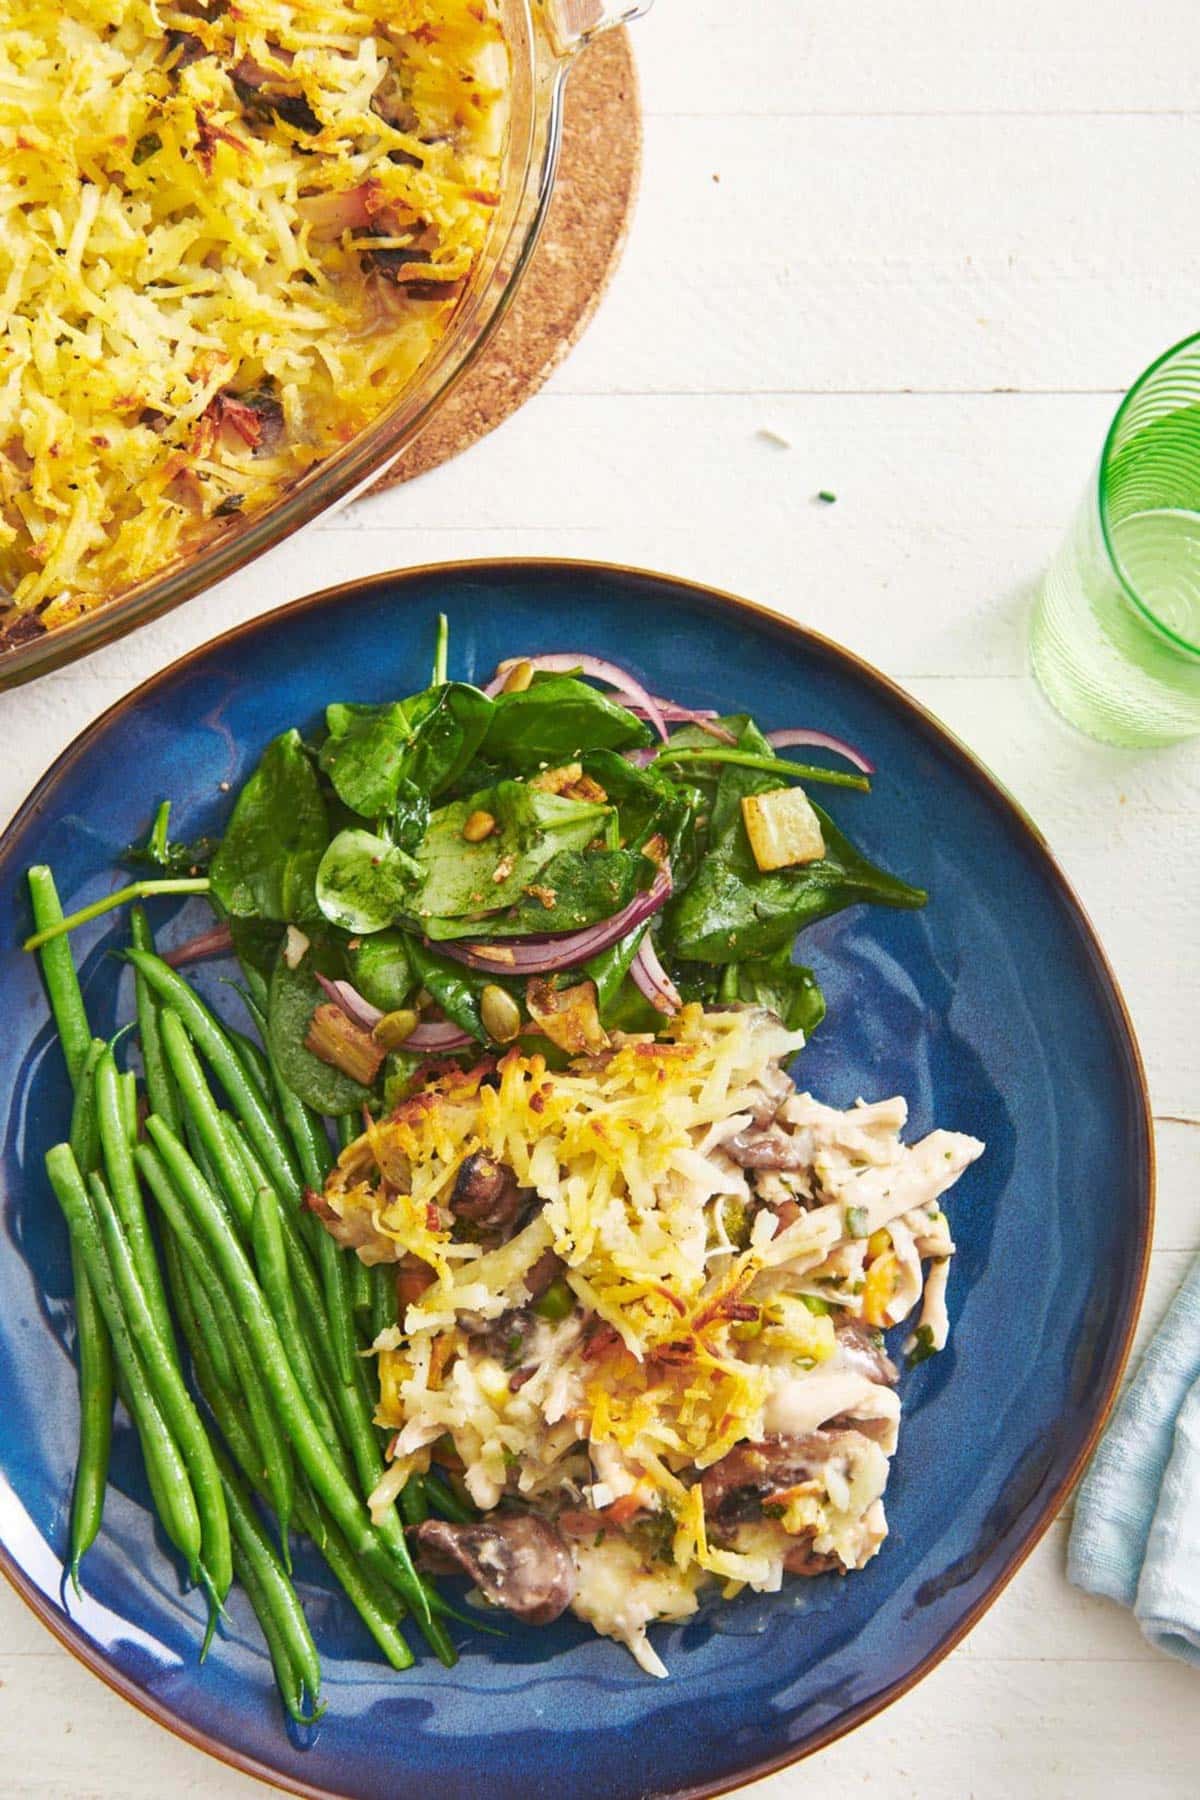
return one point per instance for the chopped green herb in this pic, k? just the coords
(923, 1346)
(857, 1222)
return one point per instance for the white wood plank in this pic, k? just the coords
(948, 508)
(1177, 1226)
(997, 1730)
(805, 56)
(1062, 1724)
(884, 254)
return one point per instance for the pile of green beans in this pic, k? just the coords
(273, 1316)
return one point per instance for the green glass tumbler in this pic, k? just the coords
(1116, 632)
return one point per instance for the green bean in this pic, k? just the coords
(127, 1094)
(160, 1084)
(259, 1553)
(364, 1447)
(95, 1416)
(306, 1130)
(235, 1184)
(348, 1129)
(214, 1045)
(287, 1678)
(226, 1407)
(336, 1286)
(362, 1297)
(170, 1481)
(275, 1458)
(413, 1504)
(313, 1153)
(257, 989)
(254, 1060)
(206, 1319)
(270, 1257)
(135, 890)
(95, 1351)
(58, 972)
(160, 1360)
(351, 1399)
(443, 1499)
(302, 1271)
(198, 1153)
(123, 1185)
(291, 1406)
(85, 1132)
(369, 1602)
(385, 1310)
(200, 1107)
(375, 1603)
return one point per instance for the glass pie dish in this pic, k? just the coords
(543, 39)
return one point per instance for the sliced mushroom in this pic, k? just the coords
(734, 1488)
(516, 1560)
(861, 1349)
(804, 1560)
(486, 1193)
(766, 1147)
(265, 97)
(352, 1232)
(772, 1088)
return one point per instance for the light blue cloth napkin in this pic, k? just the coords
(1136, 1536)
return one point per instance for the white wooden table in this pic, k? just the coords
(928, 245)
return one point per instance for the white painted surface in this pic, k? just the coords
(944, 237)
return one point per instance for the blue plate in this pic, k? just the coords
(993, 1010)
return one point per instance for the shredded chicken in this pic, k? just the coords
(653, 1324)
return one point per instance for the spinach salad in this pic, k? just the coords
(552, 857)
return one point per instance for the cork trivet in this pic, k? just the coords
(579, 248)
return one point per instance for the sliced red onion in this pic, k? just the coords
(653, 979)
(357, 1009)
(545, 955)
(641, 759)
(441, 1038)
(216, 942)
(821, 740)
(702, 716)
(565, 662)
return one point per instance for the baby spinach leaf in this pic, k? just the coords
(363, 882)
(267, 864)
(380, 970)
(455, 988)
(553, 720)
(398, 1071)
(732, 911)
(576, 888)
(363, 755)
(256, 943)
(644, 798)
(609, 969)
(294, 996)
(410, 815)
(464, 881)
(449, 725)
(785, 987)
(629, 1010)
